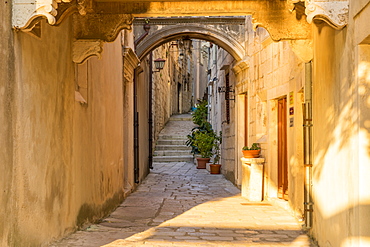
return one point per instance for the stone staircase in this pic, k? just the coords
(171, 145)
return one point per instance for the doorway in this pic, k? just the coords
(282, 150)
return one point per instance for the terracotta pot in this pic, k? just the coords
(215, 168)
(202, 162)
(251, 153)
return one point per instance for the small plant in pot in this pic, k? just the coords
(215, 167)
(203, 141)
(251, 152)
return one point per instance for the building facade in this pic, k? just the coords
(68, 119)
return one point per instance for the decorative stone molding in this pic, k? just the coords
(104, 27)
(240, 66)
(335, 13)
(83, 49)
(303, 49)
(131, 62)
(26, 13)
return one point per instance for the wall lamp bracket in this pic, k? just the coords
(159, 64)
(227, 90)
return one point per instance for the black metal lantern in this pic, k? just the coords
(159, 63)
(187, 43)
(181, 56)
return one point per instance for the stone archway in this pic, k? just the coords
(96, 22)
(227, 33)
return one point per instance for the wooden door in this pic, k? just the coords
(282, 150)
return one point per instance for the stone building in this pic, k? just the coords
(317, 90)
(72, 124)
(247, 109)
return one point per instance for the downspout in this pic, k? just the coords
(307, 145)
(150, 121)
(136, 132)
(146, 28)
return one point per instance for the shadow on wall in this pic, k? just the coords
(337, 226)
(341, 146)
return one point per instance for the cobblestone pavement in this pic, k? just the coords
(179, 205)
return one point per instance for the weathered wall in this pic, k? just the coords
(200, 80)
(272, 72)
(224, 61)
(163, 83)
(341, 131)
(143, 110)
(6, 123)
(98, 138)
(67, 165)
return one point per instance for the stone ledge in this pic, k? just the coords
(252, 160)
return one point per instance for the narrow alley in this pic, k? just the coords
(179, 205)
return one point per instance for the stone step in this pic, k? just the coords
(184, 158)
(172, 147)
(181, 119)
(171, 142)
(171, 137)
(172, 152)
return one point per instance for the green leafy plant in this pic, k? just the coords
(199, 118)
(200, 113)
(255, 146)
(204, 141)
(216, 148)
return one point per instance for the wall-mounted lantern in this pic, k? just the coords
(159, 64)
(227, 90)
(187, 43)
(181, 56)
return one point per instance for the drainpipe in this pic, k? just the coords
(307, 145)
(136, 132)
(146, 28)
(150, 121)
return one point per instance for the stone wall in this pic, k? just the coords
(272, 72)
(341, 131)
(7, 89)
(163, 97)
(63, 165)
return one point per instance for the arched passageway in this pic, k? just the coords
(227, 33)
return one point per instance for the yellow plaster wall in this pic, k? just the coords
(7, 88)
(341, 131)
(67, 164)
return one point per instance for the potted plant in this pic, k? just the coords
(204, 128)
(251, 152)
(200, 113)
(215, 167)
(203, 141)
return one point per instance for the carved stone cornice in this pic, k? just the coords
(83, 49)
(130, 57)
(104, 27)
(240, 66)
(26, 13)
(335, 13)
(131, 62)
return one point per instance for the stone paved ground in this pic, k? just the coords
(179, 205)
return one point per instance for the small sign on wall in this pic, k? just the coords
(291, 98)
(291, 122)
(291, 111)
